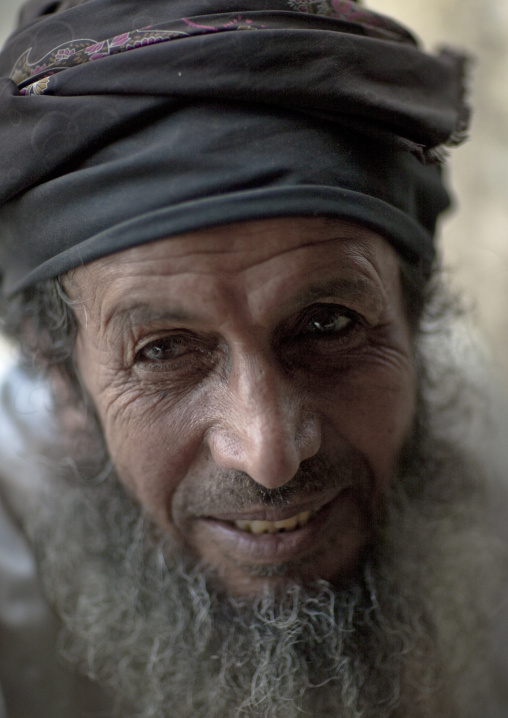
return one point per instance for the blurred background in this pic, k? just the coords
(475, 239)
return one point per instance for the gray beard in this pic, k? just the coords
(402, 639)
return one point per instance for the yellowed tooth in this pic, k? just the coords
(303, 518)
(271, 527)
(243, 525)
(287, 524)
(262, 527)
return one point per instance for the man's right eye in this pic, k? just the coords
(163, 350)
(182, 354)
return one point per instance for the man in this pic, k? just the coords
(245, 488)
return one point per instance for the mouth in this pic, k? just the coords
(318, 537)
(322, 537)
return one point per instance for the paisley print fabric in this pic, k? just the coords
(77, 52)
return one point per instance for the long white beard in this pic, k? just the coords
(147, 622)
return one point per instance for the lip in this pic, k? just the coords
(277, 513)
(271, 549)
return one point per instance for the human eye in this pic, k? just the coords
(162, 350)
(321, 336)
(174, 352)
(328, 320)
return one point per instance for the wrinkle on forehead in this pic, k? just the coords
(366, 262)
(242, 239)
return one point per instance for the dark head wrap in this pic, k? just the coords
(123, 122)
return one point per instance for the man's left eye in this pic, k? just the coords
(329, 321)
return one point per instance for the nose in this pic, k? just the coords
(263, 429)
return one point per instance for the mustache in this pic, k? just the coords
(231, 490)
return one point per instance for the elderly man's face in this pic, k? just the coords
(255, 386)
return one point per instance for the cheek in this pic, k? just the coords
(152, 436)
(152, 451)
(373, 411)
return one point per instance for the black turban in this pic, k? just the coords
(126, 121)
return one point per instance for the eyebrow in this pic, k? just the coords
(144, 313)
(358, 290)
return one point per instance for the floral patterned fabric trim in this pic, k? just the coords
(29, 75)
(37, 88)
(33, 78)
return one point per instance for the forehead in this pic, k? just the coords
(283, 261)
(242, 246)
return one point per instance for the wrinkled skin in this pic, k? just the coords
(253, 372)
